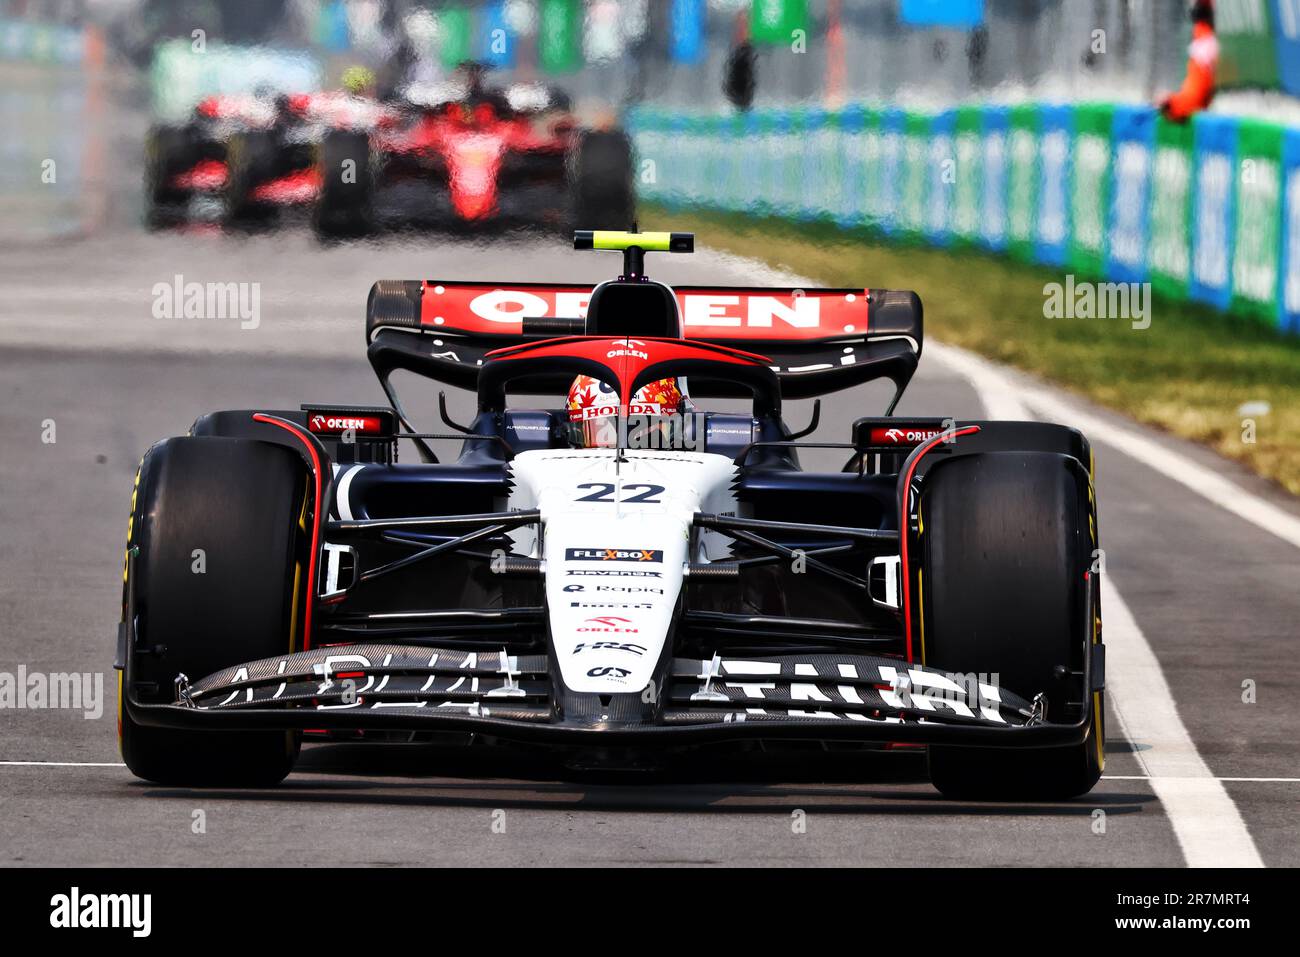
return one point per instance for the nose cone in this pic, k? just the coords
(611, 588)
(474, 165)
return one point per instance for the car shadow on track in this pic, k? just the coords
(824, 783)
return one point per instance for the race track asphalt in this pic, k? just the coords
(1215, 597)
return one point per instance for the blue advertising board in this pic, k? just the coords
(1051, 245)
(1215, 151)
(686, 31)
(962, 14)
(1134, 138)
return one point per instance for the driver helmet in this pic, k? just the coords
(358, 80)
(653, 414)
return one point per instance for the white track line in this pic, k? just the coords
(1000, 397)
(1147, 777)
(1205, 819)
(62, 764)
(1105, 777)
(1201, 480)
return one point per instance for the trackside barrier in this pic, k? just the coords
(1207, 211)
(45, 43)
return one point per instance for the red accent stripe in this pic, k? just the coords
(626, 356)
(905, 523)
(304, 437)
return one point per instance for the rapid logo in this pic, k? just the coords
(614, 555)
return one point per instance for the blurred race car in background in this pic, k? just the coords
(460, 154)
(243, 158)
(186, 164)
(450, 154)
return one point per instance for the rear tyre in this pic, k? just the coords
(168, 151)
(345, 206)
(251, 160)
(217, 523)
(1006, 540)
(603, 194)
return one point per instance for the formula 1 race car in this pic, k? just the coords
(185, 165)
(624, 574)
(460, 155)
(243, 159)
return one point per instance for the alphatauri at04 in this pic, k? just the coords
(625, 572)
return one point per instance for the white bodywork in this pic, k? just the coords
(614, 537)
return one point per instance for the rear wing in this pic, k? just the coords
(818, 340)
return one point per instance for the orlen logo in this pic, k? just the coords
(343, 423)
(610, 625)
(903, 436)
(705, 309)
(634, 353)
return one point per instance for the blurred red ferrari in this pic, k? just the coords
(460, 154)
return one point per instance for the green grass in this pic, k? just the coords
(1187, 373)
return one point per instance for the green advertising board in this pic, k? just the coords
(968, 157)
(1169, 250)
(559, 36)
(1090, 187)
(734, 187)
(863, 176)
(789, 153)
(1257, 245)
(455, 41)
(916, 175)
(774, 21)
(1022, 181)
(826, 191)
(712, 143)
(1247, 49)
(764, 146)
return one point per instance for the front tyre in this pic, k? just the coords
(220, 527)
(1006, 539)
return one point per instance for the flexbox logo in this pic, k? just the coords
(75, 910)
(179, 299)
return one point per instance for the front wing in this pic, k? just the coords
(412, 688)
